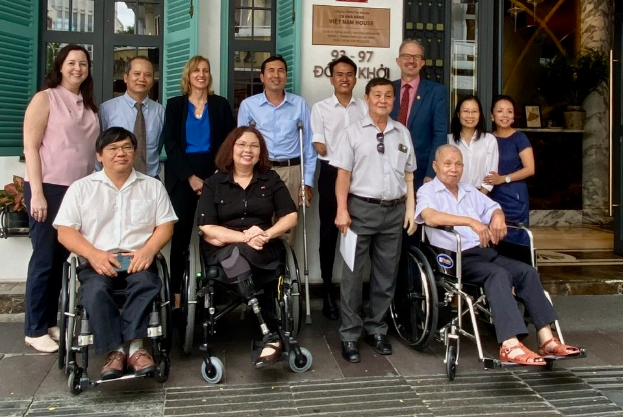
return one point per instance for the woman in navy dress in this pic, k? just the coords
(515, 164)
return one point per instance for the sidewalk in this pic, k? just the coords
(405, 383)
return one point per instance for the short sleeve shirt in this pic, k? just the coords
(225, 203)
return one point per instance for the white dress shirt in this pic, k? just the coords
(480, 157)
(469, 202)
(115, 220)
(329, 118)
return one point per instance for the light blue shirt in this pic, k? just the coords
(278, 126)
(470, 202)
(120, 111)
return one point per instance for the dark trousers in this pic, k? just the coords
(45, 268)
(111, 328)
(379, 237)
(497, 275)
(327, 216)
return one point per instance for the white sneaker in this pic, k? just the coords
(54, 333)
(43, 344)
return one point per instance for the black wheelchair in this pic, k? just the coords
(75, 334)
(430, 278)
(210, 289)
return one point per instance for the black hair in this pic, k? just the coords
(502, 97)
(456, 126)
(271, 59)
(137, 58)
(112, 135)
(379, 81)
(343, 59)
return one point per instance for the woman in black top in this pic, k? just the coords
(236, 211)
(196, 124)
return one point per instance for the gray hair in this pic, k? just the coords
(412, 41)
(442, 148)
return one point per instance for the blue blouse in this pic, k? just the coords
(197, 131)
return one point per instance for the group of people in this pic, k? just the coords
(374, 155)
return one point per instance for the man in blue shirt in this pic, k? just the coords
(122, 111)
(276, 114)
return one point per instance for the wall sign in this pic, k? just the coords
(351, 26)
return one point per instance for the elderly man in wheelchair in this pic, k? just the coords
(117, 220)
(481, 224)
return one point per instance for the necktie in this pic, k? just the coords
(404, 105)
(140, 163)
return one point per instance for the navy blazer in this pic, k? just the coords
(177, 166)
(428, 124)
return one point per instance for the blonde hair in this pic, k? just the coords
(189, 67)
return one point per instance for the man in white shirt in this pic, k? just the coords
(114, 213)
(328, 119)
(480, 223)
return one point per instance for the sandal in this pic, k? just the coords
(559, 349)
(528, 358)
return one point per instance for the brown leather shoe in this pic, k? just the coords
(115, 365)
(141, 362)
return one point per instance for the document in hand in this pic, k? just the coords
(347, 247)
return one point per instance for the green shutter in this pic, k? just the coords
(180, 43)
(19, 33)
(288, 40)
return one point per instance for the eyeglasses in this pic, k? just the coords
(380, 146)
(415, 57)
(127, 149)
(243, 146)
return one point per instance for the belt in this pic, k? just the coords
(380, 202)
(286, 163)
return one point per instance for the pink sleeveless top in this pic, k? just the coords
(68, 147)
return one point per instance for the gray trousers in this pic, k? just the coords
(379, 231)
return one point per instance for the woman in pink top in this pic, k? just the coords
(60, 129)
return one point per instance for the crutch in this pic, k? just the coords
(305, 238)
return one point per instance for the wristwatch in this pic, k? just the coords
(507, 179)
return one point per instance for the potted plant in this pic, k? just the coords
(568, 82)
(13, 216)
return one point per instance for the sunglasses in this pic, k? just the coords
(380, 146)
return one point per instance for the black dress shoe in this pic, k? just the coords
(380, 344)
(330, 309)
(350, 351)
(267, 360)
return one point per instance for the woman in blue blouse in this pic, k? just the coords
(196, 125)
(515, 164)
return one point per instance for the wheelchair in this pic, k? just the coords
(76, 335)
(430, 278)
(211, 290)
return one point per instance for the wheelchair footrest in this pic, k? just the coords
(582, 354)
(491, 363)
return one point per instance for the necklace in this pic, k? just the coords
(198, 115)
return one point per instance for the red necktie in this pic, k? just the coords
(404, 105)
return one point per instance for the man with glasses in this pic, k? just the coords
(422, 106)
(329, 118)
(117, 219)
(375, 198)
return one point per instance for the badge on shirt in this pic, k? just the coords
(402, 148)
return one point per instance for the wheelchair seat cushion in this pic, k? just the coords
(269, 258)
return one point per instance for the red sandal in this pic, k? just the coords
(559, 349)
(528, 358)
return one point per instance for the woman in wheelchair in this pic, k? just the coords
(481, 223)
(236, 211)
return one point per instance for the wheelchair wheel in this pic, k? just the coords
(212, 374)
(62, 350)
(166, 314)
(188, 305)
(295, 289)
(68, 320)
(302, 364)
(451, 361)
(73, 382)
(414, 310)
(162, 373)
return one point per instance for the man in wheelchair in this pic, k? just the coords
(481, 224)
(118, 220)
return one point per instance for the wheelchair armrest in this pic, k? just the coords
(446, 228)
(519, 225)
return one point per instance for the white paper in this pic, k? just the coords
(347, 247)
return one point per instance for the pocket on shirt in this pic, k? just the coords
(398, 160)
(141, 211)
(285, 127)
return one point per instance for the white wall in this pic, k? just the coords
(15, 251)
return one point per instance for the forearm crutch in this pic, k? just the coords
(305, 237)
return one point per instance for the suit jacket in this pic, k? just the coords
(428, 124)
(177, 166)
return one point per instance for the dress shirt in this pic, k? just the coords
(120, 111)
(278, 126)
(480, 157)
(469, 202)
(375, 175)
(329, 118)
(115, 220)
(412, 93)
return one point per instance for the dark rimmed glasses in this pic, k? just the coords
(380, 146)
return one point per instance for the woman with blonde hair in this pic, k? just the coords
(196, 124)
